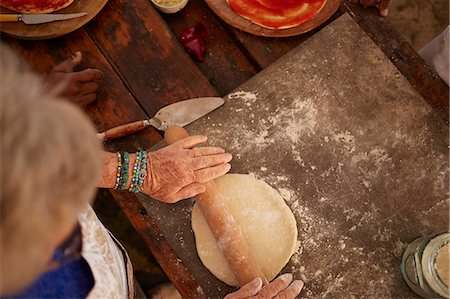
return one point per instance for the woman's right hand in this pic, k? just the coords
(179, 170)
(281, 288)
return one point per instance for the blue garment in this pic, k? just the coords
(71, 280)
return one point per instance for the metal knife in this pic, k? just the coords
(31, 19)
(181, 113)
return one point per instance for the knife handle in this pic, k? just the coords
(123, 130)
(9, 18)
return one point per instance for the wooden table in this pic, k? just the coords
(146, 68)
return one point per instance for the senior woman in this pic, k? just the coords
(52, 245)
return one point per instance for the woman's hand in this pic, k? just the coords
(78, 87)
(282, 288)
(382, 5)
(177, 171)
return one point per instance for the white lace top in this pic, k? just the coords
(107, 258)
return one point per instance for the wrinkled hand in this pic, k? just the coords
(177, 171)
(281, 288)
(382, 5)
(78, 87)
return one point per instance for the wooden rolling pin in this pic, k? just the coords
(227, 233)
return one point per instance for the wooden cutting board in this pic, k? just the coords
(358, 155)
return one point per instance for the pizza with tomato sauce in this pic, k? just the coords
(35, 6)
(277, 14)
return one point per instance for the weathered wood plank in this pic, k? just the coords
(114, 104)
(157, 71)
(266, 50)
(149, 59)
(226, 65)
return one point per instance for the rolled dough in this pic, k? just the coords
(266, 222)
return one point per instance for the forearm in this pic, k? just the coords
(109, 171)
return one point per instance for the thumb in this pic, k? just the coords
(186, 192)
(68, 65)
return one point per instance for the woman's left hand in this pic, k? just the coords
(177, 171)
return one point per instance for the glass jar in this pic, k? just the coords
(425, 265)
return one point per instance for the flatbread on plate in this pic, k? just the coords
(277, 14)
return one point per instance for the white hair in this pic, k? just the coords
(49, 168)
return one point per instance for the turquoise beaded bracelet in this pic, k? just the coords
(139, 172)
(143, 171)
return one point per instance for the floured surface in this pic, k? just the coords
(360, 157)
(266, 223)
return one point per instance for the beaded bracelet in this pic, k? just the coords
(139, 172)
(122, 171)
(119, 168)
(124, 174)
(135, 171)
(143, 171)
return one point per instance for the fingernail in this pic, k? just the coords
(287, 277)
(256, 283)
(384, 12)
(76, 54)
(229, 156)
(298, 284)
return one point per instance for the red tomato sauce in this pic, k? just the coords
(277, 14)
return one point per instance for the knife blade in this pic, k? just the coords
(181, 113)
(31, 19)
